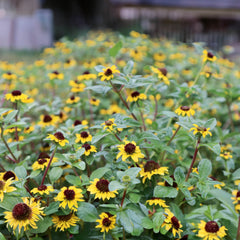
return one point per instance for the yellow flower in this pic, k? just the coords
(88, 149)
(211, 231)
(72, 100)
(58, 137)
(135, 96)
(195, 170)
(202, 130)
(5, 188)
(106, 222)
(99, 187)
(39, 63)
(237, 182)
(162, 74)
(48, 120)
(136, 54)
(152, 168)
(108, 73)
(83, 137)
(94, 101)
(226, 155)
(129, 149)
(86, 76)
(208, 56)
(64, 221)
(236, 199)
(15, 96)
(69, 63)
(4, 176)
(109, 124)
(159, 57)
(24, 214)
(157, 201)
(172, 222)
(55, 75)
(185, 110)
(42, 190)
(79, 122)
(69, 196)
(9, 76)
(42, 161)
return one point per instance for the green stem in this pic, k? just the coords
(5, 143)
(230, 115)
(198, 75)
(50, 161)
(173, 136)
(141, 114)
(194, 159)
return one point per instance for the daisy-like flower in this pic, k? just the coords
(86, 76)
(58, 137)
(94, 101)
(15, 96)
(135, 96)
(83, 137)
(77, 86)
(185, 110)
(129, 149)
(211, 231)
(236, 199)
(24, 215)
(159, 57)
(152, 168)
(99, 187)
(9, 76)
(6, 188)
(208, 56)
(157, 201)
(202, 130)
(171, 222)
(88, 149)
(73, 100)
(42, 190)
(108, 73)
(56, 75)
(162, 74)
(4, 176)
(28, 130)
(69, 63)
(226, 155)
(69, 196)
(109, 124)
(106, 222)
(63, 222)
(48, 120)
(79, 122)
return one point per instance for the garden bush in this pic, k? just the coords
(120, 137)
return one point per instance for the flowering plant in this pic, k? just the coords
(111, 137)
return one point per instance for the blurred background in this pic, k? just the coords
(35, 24)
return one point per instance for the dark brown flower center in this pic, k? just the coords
(2, 183)
(9, 174)
(86, 146)
(60, 115)
(65, 218)
(77, 122)
(211, 227)
(238, 194)
(55, 72)
(68, 61)
(175, 222)
(106, 222)
(43, 155)
(185, 108)
(42, 187)
(163, 71)
(72, 98)
(69, 194)
(16, 93)
(21, 211)
(150, 166)
(86, 72)
(108, 72)
(210, 55)
(59, 136)
(102, 185)
(41, 161)
(108, 123)
(47, 118)
(9, 73)
(84, 134)
(94, 99)
(129, 148)
(135, 94)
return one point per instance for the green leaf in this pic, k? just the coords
(147, 223)
(204, 168)
(179, 175)
(87, 212)
(134, 197)
(215, 147)
(115, 49)
(52, 208)
(98, 173)
(115, 185)
(55, 174)
(169, 114)
(158, 219)
(74, 229)
(236, 174)
(129, 67)
(2, 237)
(97, 137)
(74, 180)
(101, 89)
(42, 225)
(211, 123)
(125, 221)
(165, 192)
(20, 171)
(80, 165)
(10, 116)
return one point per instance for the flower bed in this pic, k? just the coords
(120, 138)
